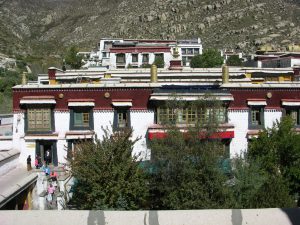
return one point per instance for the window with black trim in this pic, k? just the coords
(145, 58)
(294, 113)
(191, 115)
(81, 118)
(121, 58)
(256, 117)
(39, 119)
(121, 119)
(135, 58)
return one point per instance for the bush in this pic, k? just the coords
(209, 58)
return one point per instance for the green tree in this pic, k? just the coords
(107, 176)
(185, 171)
(234, 60)
(72, 58)
(277, 149)
(254, 187)
(209, 58)
(159, 61)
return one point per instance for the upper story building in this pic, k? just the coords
(67, 106)
(267, 57)
(133, 53)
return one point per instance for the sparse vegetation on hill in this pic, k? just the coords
(243, 24)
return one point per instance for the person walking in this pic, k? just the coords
(47, 157)
(29, 163)
(50, 191)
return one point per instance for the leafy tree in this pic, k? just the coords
(234, 60)
(159, 61)
(252, 184)
(108, 177)
(185, 168)
(145, 65)
(209, 58)
(278, 151)
(72, 59)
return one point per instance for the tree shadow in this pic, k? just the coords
(96, 218)
(293, 214)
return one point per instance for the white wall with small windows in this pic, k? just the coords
(137, 59)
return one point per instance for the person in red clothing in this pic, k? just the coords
(53, 176)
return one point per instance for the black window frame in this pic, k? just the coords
(137, 57)
(121, 55)
(118, 110)
(297, 109)
(145, 55)
(82, 109)
(262, 117)
(38, 106)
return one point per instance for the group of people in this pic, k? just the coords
(51, 175)
(38, 161)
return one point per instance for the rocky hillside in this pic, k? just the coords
(46, 27)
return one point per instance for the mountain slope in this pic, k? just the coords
(48, 26)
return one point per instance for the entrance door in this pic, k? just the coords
(43, 146)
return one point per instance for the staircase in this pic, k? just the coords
(62, 192)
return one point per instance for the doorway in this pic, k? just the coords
(43, 146)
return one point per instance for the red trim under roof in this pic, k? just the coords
(121, 100)
(256, 99)
(38, 97)
(290, 100)
(216, 135)
(81, 100)
(141, 49)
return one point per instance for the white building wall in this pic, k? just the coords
(167, 58)
(270, 117)
(62, 122)
(140, 122)
(295, 62)
(238, 118)
(103, 119)
(18, 141)
(112, 62)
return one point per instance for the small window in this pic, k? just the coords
(122, 119)
(294, 114)
(135, 58)
(145, 58)
(121, 58)
(104, 54)
(256, 120)
(196, 51)
(184, 60)
(81, 119)
(159, 56)
(190, 51)
(39, 119)
(183, 51)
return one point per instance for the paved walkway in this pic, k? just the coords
(14, 182)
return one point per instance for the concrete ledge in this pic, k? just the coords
(16, 189)
(5, 155)
(176, 217)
